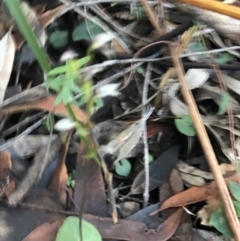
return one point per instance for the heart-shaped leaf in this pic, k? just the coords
(123, 167)
(184, 124)
(70, 231)
(81, 32)
(219, 220)
(59, 39)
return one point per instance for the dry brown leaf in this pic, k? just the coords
(117, 47)
(59, 178)
(29, 145)
(193, 195)
(170, 225)
(41, 160)
(39, 8)
(154, 128)
(123, 143)
(5, 169)
(192, 180)
(227, 168)
(48, 17)
(46, 232)
(47, 105)
(175, 181)
(44, 20)
(208, 209)
(7, 53)
(183, 167)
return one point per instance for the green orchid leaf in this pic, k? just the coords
(70, 231)
(58, 39)
(184, 124)
(123, 167)
(225, 100)
(98, 103)
(58, 70)
(72, 183)
(82, 132)
(219, 221)
(58, 99)
(81, 32)
(234, 188)
(54, 84)
(75, 88)
(81, 62)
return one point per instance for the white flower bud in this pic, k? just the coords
(108, 90)
(101, 39)
(64, 125)
(70, 54)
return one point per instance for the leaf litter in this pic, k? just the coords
(36, 160)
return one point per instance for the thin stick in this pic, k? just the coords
(144, 137)
(152, 17)
(206, 145)
(215, 6)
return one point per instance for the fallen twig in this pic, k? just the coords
(206, 145)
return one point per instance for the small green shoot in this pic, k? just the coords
(71, 179)
(48, 123)
(140, 70)
(70, 231)
(184, 124)
(123, 167)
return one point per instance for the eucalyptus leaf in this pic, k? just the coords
(58, 39)
(235, 190)
(86, 31)
(219, 220)
(82, 61)
(143, 216)
(184, 124)
(70, 231)
(123, 167)
(58, 99)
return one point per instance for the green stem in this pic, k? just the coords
(22, 23)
